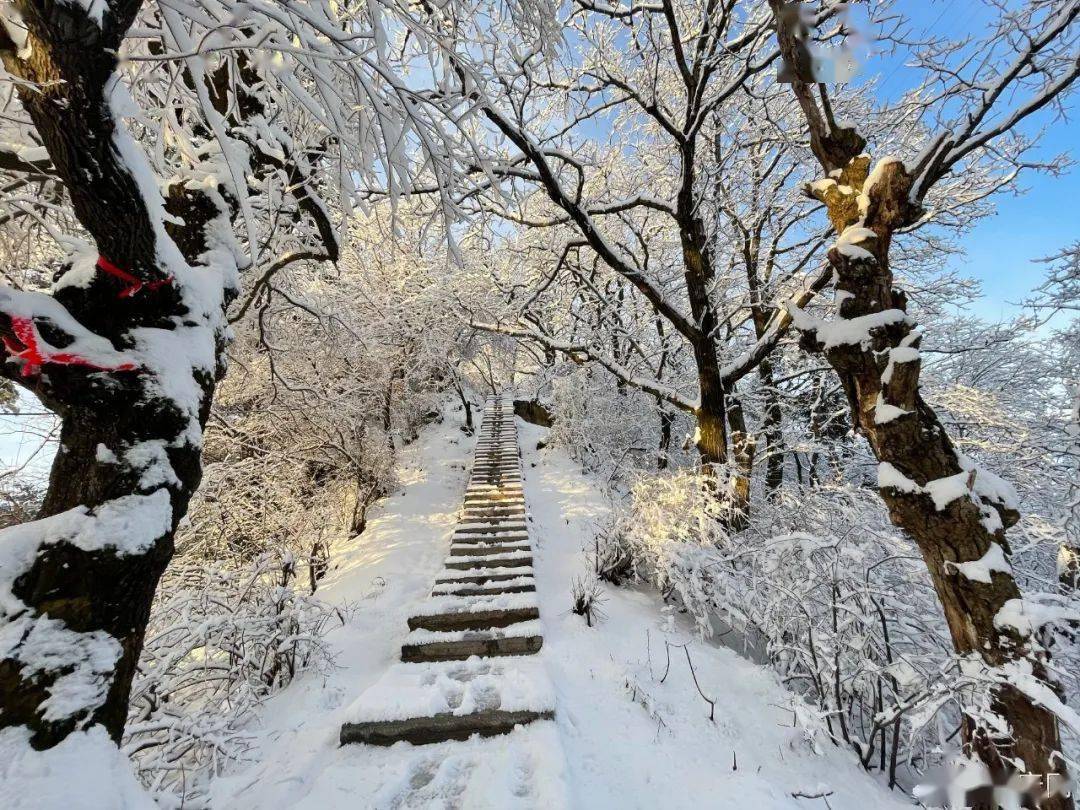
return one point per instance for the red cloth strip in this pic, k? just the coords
(133, 284)
(27, 347)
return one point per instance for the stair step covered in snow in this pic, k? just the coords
(428, 703)
(522, 638)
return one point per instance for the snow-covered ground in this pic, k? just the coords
(621, 738)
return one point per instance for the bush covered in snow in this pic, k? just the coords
(221, 638)
(822, 588)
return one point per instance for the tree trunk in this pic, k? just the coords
(468, 427)
(667, 419)
(956, 513)
(129, 457)
(711, 436)
(772, 427)
(743, 446)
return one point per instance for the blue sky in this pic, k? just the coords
(1001, 250)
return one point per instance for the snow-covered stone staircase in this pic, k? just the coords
(464, 669)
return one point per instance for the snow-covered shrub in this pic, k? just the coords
(586, 598)
(220, 640)
(822, 588)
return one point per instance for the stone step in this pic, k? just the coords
(503, 561)
(521, 638)
(439, 727)
(491, 526)
(471, 550)
(475, 620)
(516, 534)
(460, 698)
(487, 522)
(478, 590)
(485, 540)
(480, 576)
(493, 533)
(450, 608)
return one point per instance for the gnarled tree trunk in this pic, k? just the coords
(956, 513)
(129, 456)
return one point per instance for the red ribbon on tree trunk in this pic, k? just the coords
(133, 284)
(26, 346)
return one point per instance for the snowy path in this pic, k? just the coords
(620, 739)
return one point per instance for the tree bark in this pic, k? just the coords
(880, 378)
(667, 419)
(103, 589)
(711, 437)
(879, 369)
(743, 446)
(772, 428)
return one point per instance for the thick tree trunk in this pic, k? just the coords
(711, 436)
(956, 513)
(99, 590)
(128, 461)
